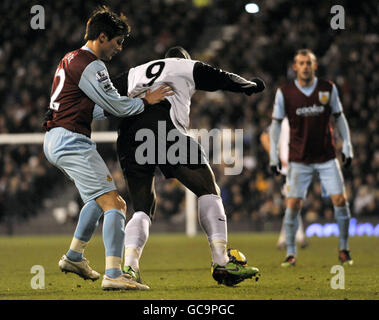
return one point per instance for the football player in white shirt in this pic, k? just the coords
(283, 155)
(171, 116)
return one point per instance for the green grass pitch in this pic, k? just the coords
(177, 267)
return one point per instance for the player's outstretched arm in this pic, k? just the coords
(98, 113)
(347, 149)
(275, 164)
(96, 84)
(208, 78)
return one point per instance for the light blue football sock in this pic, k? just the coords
(88, 221)
(74, 255)
(342, 215)
(291, 224)
(113, 237)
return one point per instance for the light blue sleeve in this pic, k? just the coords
(335, 102)
(98, 113)
(343, 128)
(97, 85)
(279, 111)
(274, 140)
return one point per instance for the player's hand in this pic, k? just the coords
(275, 169)
(257, 85)
(346, 161)
(153, 97)
(49, 115)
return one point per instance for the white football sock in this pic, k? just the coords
(212, 219)
(282, 235)
(219, 253)
(300, 234)
(132, 256)
(136, 235)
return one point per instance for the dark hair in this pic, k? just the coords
(104, 20)
(177, 52)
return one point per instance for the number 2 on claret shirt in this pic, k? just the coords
(61, 75)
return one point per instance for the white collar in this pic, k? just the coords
(88, 49)
(307, 90)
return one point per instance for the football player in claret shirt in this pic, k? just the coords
(184, 76)
(82, 91)
(308, 102)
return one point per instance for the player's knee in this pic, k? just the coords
(112, 200)
(145, 202)
(215, 189)
(121, 204)
(148, 208)
(207, 187)
(339, 200)
(204, 191)
(294, 203)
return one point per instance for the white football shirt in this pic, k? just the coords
(174, 72)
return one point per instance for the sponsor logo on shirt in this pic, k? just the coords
(323, 96)
(310, 111)
(102, 75)
(103, 78)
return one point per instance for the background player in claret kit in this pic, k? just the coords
(283, 156)
(184, 76)
(308, 103)
(80, 82)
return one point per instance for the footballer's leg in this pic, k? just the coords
(74, 261)
(281, 244)
(196, 174)
(137, 229)
(291, 223)
(299, 178)
(140, 180)
(88, 221)
(212, 219)
(113, 231)
(113, 236)
(332, 179)
(81, 162)
(300, 234)
(342, 216)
